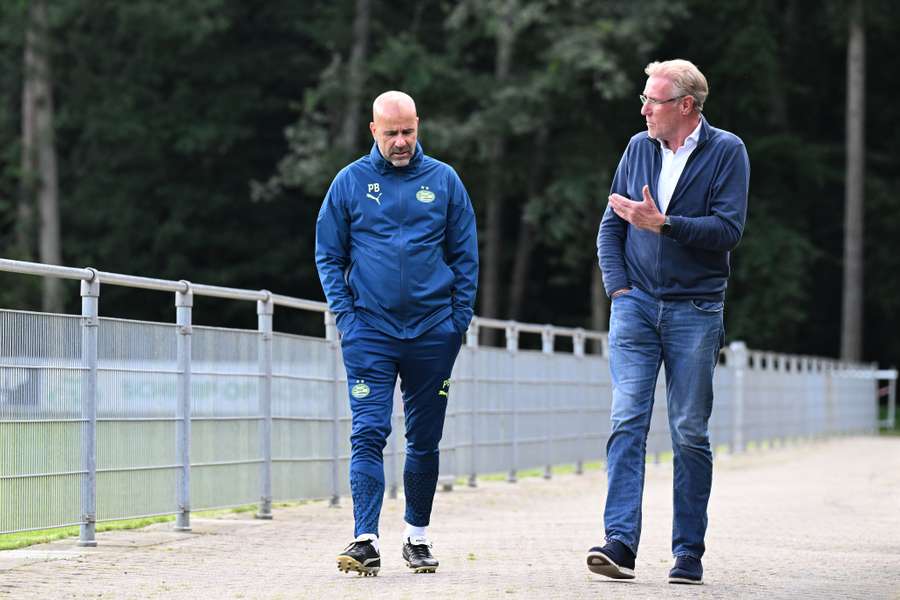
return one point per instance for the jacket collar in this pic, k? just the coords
(382, 165)
(705, 130)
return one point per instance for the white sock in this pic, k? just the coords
(370, 537)
(413, 532)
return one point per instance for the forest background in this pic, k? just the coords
(194, 139)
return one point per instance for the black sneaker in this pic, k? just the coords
(687, 569)
(417, 554)
(360, 556)
(612, 560)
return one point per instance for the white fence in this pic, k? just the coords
(104, 419)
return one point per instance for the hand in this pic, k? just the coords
(344, 320)
(643, 215)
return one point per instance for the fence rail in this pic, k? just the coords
(104, 418)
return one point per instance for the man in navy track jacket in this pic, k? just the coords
(676, 210)
(397, 255)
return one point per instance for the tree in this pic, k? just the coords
(503, 21)
(852, 308)
(312, 159)
(785, 276)
(528, 225)
(164, 111)
(356, 75)
(582, 82)
(39, 172)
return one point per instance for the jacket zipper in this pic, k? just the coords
(687, 163)
(659, 236)
(403, 283)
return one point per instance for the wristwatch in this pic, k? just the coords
(666, 228)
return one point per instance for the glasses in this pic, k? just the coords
(654, 101)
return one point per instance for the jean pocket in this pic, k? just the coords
(708, 306)
(628, 291)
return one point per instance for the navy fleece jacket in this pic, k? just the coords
(397, 246)
(707, 211)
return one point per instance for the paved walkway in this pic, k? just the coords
(818, 520)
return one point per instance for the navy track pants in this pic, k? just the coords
(373, 361)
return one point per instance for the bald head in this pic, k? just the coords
(395, 127)
(391, 103)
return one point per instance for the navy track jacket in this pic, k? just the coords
(397, 246)
(707, 211)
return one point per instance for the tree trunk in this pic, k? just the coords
(852, 310)
(527, 230)
(39, 147)
(356, 77)
(490, 278)
(27, 182)
(778, 115)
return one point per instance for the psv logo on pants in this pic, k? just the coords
(360, 390)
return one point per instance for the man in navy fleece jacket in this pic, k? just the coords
(676, 210)
(397, 255)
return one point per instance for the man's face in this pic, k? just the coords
(395, 129)
(663, 120)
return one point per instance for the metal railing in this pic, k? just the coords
(104, 419)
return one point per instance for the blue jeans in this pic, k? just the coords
(686, 336)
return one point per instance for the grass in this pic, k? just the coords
(882, 415)
(12, 541)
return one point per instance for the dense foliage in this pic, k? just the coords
(196, 138)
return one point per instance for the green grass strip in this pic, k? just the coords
(12, 541)
(882, 415)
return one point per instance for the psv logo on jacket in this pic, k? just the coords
(425, 195)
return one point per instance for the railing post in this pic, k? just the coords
(578, 350)
(547, 339)
(331, 336)
(264, 312)
(604, 344)
(829, 370)
(450, 453)
(90, 324)
(773, 418)
(472, 349)
(512, 346)
(738, 362)
(892, 401)
(184, 302)
(795, 433)
(451, 429)
(547, 342)
(805, 416)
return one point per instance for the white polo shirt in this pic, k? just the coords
(672, 166)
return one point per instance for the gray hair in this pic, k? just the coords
(685, 76)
